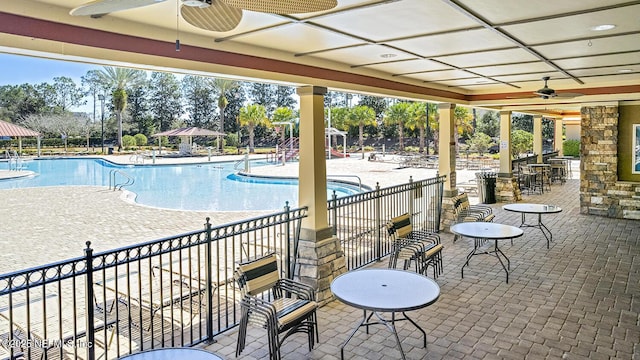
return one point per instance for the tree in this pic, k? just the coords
(521, 142)
(198, 94)
(463, 120)
(66, 94)
(283, 115)
(138, 109)
(398, 114)
(418, 120)
(19, 101)
(480, 143)
(360, 116)
(283, 96)
(118, 79)
(66, 125)
(251, 116)
(164, 99)
(94, 87)
(489, 124)
(223, 87)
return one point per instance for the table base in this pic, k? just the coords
(366, 321)
(540, 226)
(477, 243)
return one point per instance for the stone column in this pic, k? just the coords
(557, 136)
(320, 255)
(537, 137)
(507, 189)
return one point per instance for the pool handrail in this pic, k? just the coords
(112, 179)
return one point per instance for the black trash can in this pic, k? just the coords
(110, 150)
(486, 187)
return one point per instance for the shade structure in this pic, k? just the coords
(13, 130)
(189, 131)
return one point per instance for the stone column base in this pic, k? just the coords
(448, 216)
(507, 189)
(320, 260)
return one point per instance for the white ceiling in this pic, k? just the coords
(482, 49)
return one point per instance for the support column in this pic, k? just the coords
(557, 136)
(447, 162)
(447, 145)
(507, 189)
(320, 256)
(537, 137)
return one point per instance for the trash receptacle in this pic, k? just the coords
(110, 150)
(486, 187)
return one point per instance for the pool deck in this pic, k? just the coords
(577, 300)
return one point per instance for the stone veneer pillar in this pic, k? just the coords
(320, 255)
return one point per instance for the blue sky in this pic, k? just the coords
(17, 69)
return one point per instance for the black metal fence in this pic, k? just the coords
(180, 291)
(359, 220)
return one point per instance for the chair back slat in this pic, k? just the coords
(402, 225)
(259, 275)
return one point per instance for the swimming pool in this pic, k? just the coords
(200, 187)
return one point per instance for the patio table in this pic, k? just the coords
(385, 290)
(538, 209)
(481, 231)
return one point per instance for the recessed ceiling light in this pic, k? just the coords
(388, 56)
(602, 27)
(625, 70)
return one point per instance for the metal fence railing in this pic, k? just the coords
(359, 220)
(176, 291)
(180, 290)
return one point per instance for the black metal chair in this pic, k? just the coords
(281, 306)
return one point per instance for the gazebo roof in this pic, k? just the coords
(9, 129)
(189, 131)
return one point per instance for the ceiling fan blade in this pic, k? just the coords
(283, 6)
(217, 17)
(101, 7)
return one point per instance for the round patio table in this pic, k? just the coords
(482, 231)
(385, 290)
(538, 209)
(172, 354)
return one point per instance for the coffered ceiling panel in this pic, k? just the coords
(578, 26)
(632, 59)
(484, 58)
(517, 79)
(409, 66)
(589, 47)
(522, 68)
(398, 19)
(365, 54)
(452, 43)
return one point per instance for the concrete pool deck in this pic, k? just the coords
(47, 224)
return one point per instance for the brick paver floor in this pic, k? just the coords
(580, 299)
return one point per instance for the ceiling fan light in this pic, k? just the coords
(283, 6)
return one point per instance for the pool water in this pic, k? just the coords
(200, 187)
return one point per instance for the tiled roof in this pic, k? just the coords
(9, 129)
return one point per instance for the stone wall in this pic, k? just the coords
(600, 191)
(507, 189)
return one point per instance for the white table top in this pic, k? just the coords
(385, 290)
(172, 354)
(532, 208)
(538, 165)
(486, 230)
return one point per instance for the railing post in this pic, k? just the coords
(91, 351)
(208, 279)
(290, 264)
(411, 197)
(378, 216)
(334, 215)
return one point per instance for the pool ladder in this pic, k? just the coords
(128, 180)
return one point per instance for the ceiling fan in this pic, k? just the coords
(212, 15)
(548, 93)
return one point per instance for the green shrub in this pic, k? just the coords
(140, 139)
(571, 148)
(128, 141)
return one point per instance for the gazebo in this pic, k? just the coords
(13, 130)
(186, 135)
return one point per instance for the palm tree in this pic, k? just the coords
(361, 116)
(398, 114)
(119, 79)
(252, 116)
(223, 86)
(418, 120)
(283, 115)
